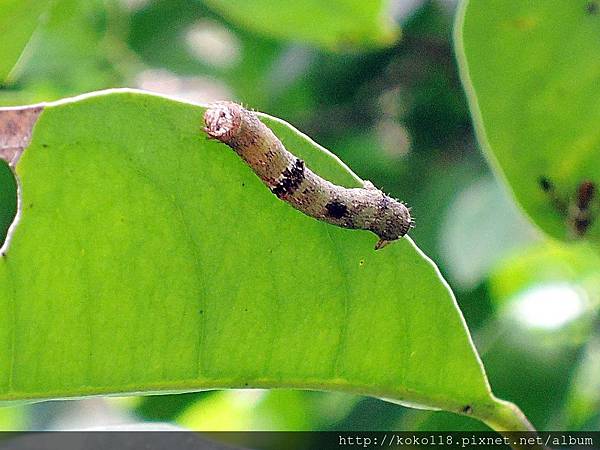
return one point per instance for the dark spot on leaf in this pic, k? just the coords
(467, 409)
(243, 184)
(592, 8)
(581, 225)
(545, 184)
(201, 311)
(30, 205)
(361, 262)
(585, 194)
(45, 145)
(336, 209)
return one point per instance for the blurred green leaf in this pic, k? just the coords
(437, 421)
(531, 71)
(240, 409)
(148, 258)
(521, 369)
(12, 418)
(8, 199)
(18, 21)
(479, 227)
(336, 24)
(266, 410)
(70, 50)
(186, 40)
(75, 49)
(577, 264)
(583, 402)
(547, 298)
(550, 292)
(163, 408)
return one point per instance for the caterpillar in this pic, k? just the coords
(289, 178)
(579, 210)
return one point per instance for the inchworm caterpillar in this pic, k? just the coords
(579, 210)
(289, 179)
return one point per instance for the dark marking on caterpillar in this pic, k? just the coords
(336, 209)
(592, 8)
(292, 181)
(578, 211)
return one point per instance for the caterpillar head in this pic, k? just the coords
(222, 120)
(393, 221)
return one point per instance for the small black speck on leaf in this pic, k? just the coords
(361, 262)
(467, 409)
(545, 184)
(201, 311)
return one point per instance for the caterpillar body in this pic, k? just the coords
(292, 181)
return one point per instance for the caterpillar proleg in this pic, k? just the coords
(292, 181)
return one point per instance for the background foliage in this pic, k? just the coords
(395, 111)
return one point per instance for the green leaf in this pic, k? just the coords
(336, 24)
(583, 400)
(549, 295)
(148, 258)
(18, 20)
(73, 50)
(531, 70)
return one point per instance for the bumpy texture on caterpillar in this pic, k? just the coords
(290, 180)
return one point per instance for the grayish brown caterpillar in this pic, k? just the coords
(290, 180)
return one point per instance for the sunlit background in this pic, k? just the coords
(398, 117)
